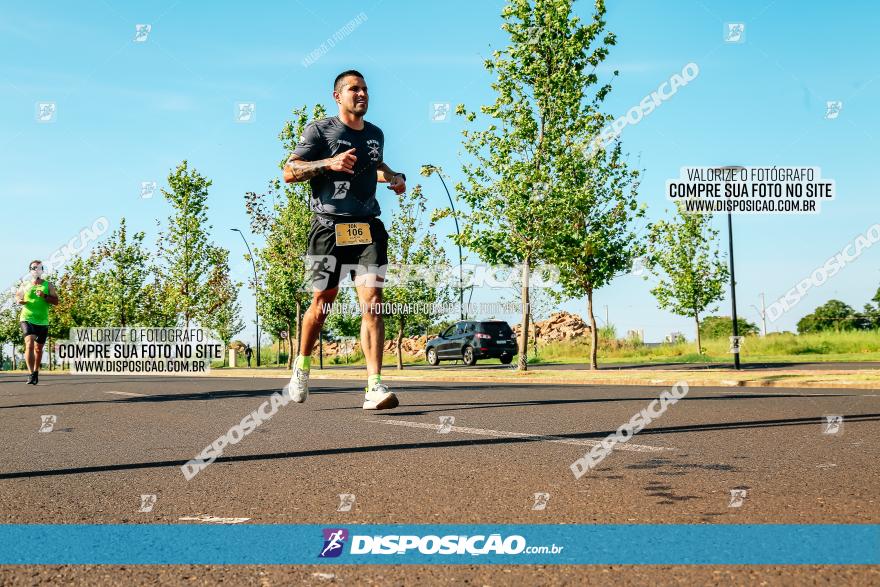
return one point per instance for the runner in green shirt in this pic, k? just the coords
(35, 295)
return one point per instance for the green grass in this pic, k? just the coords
(824, 346)
(782, 348)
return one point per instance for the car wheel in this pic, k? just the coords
(467, 356)
(432, 358)
(506, 359)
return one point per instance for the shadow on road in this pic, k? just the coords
(812, 421)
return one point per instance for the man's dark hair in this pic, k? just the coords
(343, 75)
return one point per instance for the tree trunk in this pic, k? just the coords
(299, 320)
(400, 343)
(594, 334)
(524, 332)
(699, 341)
(290, 343)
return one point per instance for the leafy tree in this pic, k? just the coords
(722, 327)
(120, 267)
(409, 245)
(282, 217)
(340, 323)
(184, 246)
(683, 255)
(872, 312)
(223, 316)
(528, 160)
(10, 330)
(832, 315)
(586, 201)
(79, 302)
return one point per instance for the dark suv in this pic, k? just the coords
(470, 340)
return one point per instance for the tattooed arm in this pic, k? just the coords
(298, 170)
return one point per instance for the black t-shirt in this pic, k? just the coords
(337, 192)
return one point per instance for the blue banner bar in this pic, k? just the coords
(722, 544)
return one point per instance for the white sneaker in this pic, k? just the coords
(298, 388)
(379, 398)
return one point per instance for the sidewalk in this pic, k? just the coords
(781, 377)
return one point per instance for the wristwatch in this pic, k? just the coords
(403, 175)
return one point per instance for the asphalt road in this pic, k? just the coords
(116, 438)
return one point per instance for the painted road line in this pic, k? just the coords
(205, 518)
(628, 446)
(127, 393)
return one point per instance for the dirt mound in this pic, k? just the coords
(559, 326)
(412, 345)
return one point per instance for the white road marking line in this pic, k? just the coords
(212, 519)
(127, 393)
(624, 446)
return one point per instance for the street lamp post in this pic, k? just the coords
(732, 277)
(434, 169)
(256, 293)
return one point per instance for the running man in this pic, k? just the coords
(341, 156)
(35, 296)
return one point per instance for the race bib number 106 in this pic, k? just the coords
(353, 233)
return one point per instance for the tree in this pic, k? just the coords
(832, 315)
(120, 267)
(184, 247)
(79, 303)
(343, 323)
(282, 217)
(586, 201)
(223, 315)
(530, 154)
(872, 312)
(10, 330)
(683, 255)
(409, 245)
(722, 327)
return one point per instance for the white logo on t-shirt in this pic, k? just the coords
(341, 189)
(373, 146)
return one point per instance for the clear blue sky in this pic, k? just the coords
(129, 112)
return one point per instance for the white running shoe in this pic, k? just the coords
(379, 398)
(298, 388)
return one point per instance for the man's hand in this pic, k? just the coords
(299, 170)
(343, 162)
(397, 184)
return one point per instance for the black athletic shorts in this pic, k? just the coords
(326, 262)
(41, 332)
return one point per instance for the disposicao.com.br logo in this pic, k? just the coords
(454, 544)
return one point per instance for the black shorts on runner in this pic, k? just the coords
(37, 330)
(326, 261)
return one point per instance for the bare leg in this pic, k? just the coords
(29, 352)
(372, 327)
(314, 318)
(38, 355)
